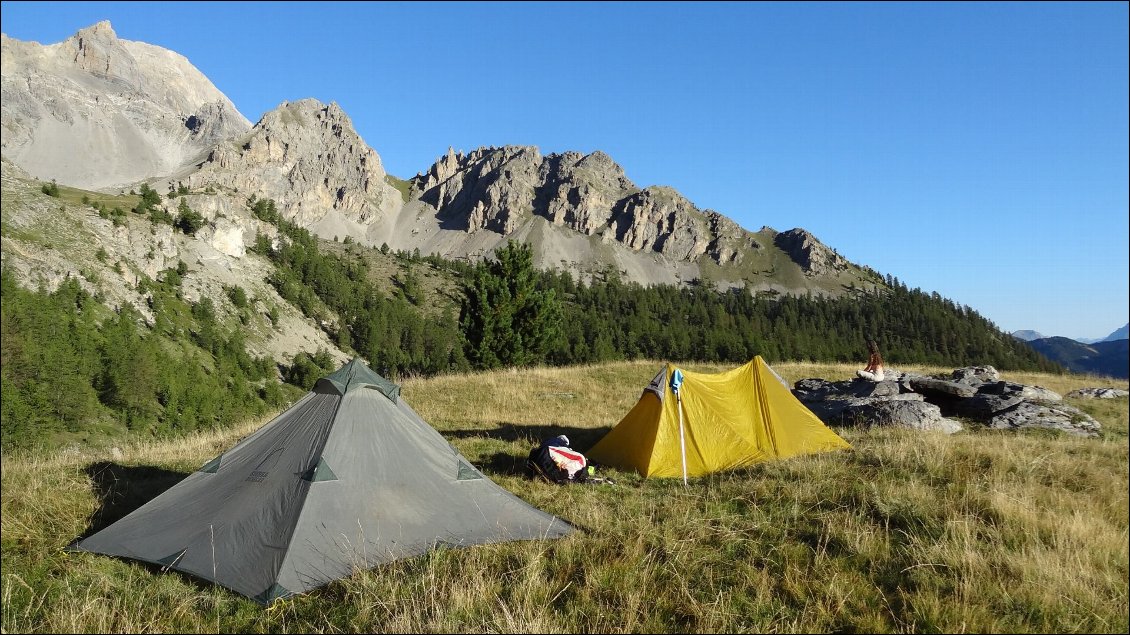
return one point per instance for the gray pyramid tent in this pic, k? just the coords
(348, 478)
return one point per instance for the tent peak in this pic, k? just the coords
(356, 374)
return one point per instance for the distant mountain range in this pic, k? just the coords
(1109, 358)
(1118, 334)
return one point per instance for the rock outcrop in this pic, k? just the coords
(974, 393)
(488, 189)
(1098, 393)
(814, 257)
(49, 240)
(495, 189)
(581, 190)
(308, 158)
(98, 112)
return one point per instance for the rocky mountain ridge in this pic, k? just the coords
(95, 111)
(308, 158)
(491, 188)
(580, 212)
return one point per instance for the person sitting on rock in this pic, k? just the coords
(874, 368)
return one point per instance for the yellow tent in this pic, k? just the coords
(713, 422)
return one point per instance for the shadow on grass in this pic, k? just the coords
(580, 439)
(503, 464)
(507, 464)
(121, 489)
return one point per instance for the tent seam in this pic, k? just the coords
(305, 495)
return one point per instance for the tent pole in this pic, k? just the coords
(682, 441)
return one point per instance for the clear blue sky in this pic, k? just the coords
(976, 150)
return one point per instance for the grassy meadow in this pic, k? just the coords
(982, 531)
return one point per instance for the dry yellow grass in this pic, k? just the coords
(908, 532)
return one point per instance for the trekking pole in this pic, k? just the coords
(676, 381)
(682, 442)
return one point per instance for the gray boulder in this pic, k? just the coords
(941, 388)
(983, 407)
(908, 413)
(915, 401)
(1051, 416)
(1098, 393)
(974, 375)
(1024, 391)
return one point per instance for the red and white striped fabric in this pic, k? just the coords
(567, 459)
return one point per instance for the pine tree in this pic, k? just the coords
(507, 319)
(188, 220)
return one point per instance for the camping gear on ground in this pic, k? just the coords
(690, 424)
(348, 478)
(556, 462)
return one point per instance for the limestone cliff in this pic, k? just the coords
(816, 258)
(98, 112)
(308, 158)
(494, 189)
